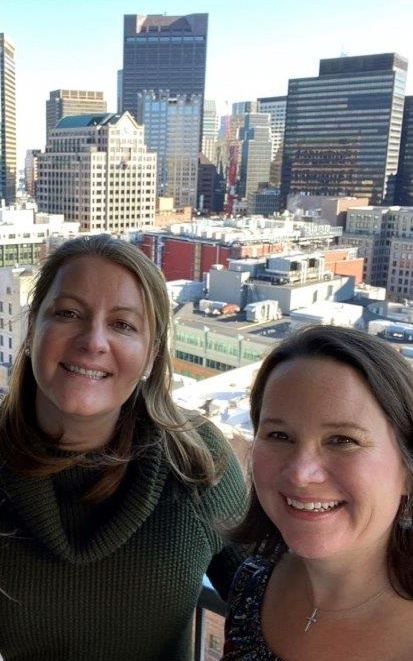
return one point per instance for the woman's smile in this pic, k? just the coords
(90, 345)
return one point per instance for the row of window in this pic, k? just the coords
(10, 342)
(248, 353)
(2, 358)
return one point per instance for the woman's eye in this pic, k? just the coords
(345, 441)
(66, 314)
(123, 326)
(279, 436)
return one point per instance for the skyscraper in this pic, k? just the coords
(342, 133)
(255, 154)
(404, 186)
(97, 171)
(276, 107)
(163, 52)
(210, 131)
(8, 157)
(172, 127)
(72, 102)
(30, 171)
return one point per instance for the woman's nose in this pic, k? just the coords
(94, 338)
(305, 467)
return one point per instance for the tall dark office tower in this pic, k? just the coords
(342, 132)
(404, 186)
(8, 157)
(163, 53)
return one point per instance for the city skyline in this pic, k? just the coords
(250, 53)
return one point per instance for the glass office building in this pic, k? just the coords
(163, 53)
(343, 128)
(404, 189)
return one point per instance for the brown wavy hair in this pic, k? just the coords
(390, 378)
(26, 448)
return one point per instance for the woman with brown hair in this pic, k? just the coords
(330, 514)
(111, 495)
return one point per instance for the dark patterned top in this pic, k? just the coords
(243, 634)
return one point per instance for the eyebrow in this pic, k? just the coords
(328, 425)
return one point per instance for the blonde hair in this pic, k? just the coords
(26, 449)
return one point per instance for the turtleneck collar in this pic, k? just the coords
(37, 502)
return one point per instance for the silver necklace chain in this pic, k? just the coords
(313, 618)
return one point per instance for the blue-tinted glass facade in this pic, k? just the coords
(404, 190)
(163, 53)
(343, 128)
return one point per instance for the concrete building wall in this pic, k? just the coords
(228, 286)
(98, 172)
(327, 312)
(400, 274)
(299, 296)
(331, 209)
(15, 287)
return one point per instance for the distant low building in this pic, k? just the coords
(383, 236)
(294, 280)
(329, 209)
(327, 312)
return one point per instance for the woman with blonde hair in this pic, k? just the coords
(110, 493)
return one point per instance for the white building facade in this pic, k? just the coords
(15, 287)
(97, 171)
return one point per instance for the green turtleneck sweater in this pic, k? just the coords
(114, 581)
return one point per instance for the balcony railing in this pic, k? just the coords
(209, 600)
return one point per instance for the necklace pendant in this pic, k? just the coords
(311, 620)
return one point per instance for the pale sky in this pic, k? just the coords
(253, 47)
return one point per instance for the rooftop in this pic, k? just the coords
(83, 121)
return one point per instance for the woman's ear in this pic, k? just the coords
(152, 357)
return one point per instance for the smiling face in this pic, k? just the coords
(326, 465)
(90, 344)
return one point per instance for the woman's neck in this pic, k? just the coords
(338, 584)
(80, 437)
(77, 433)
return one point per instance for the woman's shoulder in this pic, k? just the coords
(211, 435)
(251, 576)
(243, 638)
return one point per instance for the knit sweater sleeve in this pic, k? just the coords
(219, 508)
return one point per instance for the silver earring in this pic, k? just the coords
(405, 521)
(27, 351)
(144, 377)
